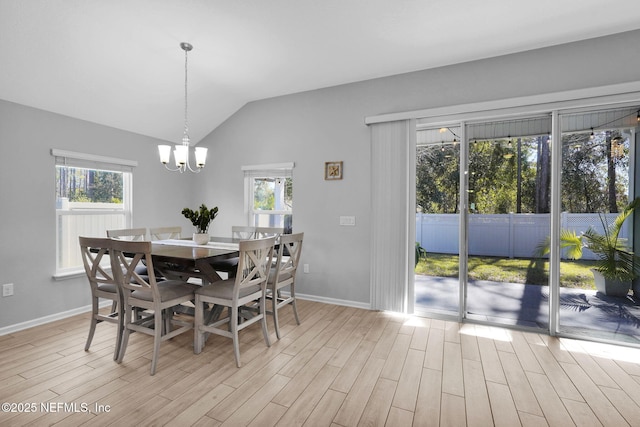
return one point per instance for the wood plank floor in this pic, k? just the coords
(341, 367)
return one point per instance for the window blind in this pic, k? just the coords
(92, 161)
(275, 169)
(390, 225)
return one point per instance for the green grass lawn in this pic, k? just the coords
(573, 274)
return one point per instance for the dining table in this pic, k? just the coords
(184, 259)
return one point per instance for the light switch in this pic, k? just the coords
(348, 221)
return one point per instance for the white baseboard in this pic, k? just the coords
(48, 319)
(63, 315)
(334, 301)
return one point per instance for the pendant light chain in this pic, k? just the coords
(185, 138)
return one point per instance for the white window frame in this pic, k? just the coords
(96, 162)
(274, 170)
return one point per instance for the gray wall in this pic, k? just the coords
(27, 219)
(306, 128)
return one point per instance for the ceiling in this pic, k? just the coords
(119, 63)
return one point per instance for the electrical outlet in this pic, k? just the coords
(7, 289)
(348, 221)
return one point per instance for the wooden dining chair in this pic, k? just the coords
(94, 251)
(157, 299)
(247, 287)
(164, 233)
(283, 275)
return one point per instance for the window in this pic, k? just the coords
(269, 195)
(93, 194)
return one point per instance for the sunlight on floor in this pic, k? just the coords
(490, 332)
(596, 349)
(603, 350)
(419, 322)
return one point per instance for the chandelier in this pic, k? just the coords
(181, 151)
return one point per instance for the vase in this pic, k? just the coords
(610, 287)
(201, 238)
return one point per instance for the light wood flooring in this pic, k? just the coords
(341, 367)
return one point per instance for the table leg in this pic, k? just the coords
(209, 274)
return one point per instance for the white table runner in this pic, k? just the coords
(191, 243)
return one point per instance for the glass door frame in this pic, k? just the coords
(556, 208)
(463, 244)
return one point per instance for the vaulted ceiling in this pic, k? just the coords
(118, 62)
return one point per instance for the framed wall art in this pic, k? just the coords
(332, 170)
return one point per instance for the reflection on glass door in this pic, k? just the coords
(509, 205)
(597, 184)
(437, 284)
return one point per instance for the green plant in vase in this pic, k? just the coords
(201, 220)
(617, 264)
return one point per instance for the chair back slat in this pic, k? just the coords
(262, 232)
(288, 258)
(93, 250)
(134, 234)
(126, 255)
(244, 232)
(254, 263)
(163, 233)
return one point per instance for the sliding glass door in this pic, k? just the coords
(437, 279)
(485, 208)
(508, 203)
(598, 152)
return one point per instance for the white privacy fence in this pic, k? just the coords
(501, 235)
(83, 219)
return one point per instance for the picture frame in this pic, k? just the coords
(332, 171)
